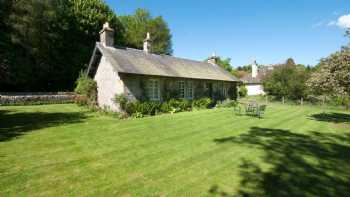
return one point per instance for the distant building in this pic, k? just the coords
(253, 82)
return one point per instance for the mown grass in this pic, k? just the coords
(63, 150)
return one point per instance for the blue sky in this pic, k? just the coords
(269, 31)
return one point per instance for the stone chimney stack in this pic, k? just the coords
(107, 35)
(147, 43)
(213, 59)
(254, 69)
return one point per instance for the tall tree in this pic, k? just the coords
(136, 27)
(50, 41)
(5, 6)
(45, 43)
(287, 80)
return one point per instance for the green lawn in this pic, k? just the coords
(62, 150)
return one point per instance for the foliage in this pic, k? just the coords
(135, 108)
(333, 75)
(44, 44)
(226, 103)
(243, 91)
(202, 103)
(242, 71)
(287, 80)
(145, 108)
(180, 104)
(166, 107)
(239, 73)
(136, 27)
(87, 89)
(137, 115)
(224, 63)
(246, 68)
(122, 100)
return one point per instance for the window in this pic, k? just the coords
(189, 90)
(153, 90)
(182, 89)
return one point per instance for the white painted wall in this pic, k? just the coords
(254, 89)
(108, 85)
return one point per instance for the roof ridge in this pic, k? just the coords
(162, 55)
(136, 61)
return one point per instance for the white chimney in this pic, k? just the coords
(107, 35)
(147, 43)
(254, 70)
(212, 60)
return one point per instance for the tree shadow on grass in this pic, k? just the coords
(13, 124)
(313, 164)
(332, 117)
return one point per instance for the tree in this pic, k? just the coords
(224, 63)
(332, 76)
(136, 27)
(5, 6)
(239, 73)
(246, 68)
(45, 44)
(287, 80)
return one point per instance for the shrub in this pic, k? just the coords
(145, 108)
(138, 109)
(243, 91)
(202, 103)
(180, 105)
(185, 105)
(137, 115)
(122, 100)
(165, 107)
(87, 89)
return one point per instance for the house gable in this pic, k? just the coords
(108, 84)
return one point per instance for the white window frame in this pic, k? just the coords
(153, 90)
(182, 89)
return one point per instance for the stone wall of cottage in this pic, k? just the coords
(108, 85)
(136, 85)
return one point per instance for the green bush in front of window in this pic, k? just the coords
(202, 103)
(149, 108)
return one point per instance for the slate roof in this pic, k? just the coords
(134, 61)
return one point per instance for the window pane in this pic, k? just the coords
(182, 89)
(189, 90)
(153, 89)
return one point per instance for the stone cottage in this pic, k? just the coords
(142, 75)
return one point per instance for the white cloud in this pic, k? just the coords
(344, 21)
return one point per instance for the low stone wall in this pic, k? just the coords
(36, 98)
